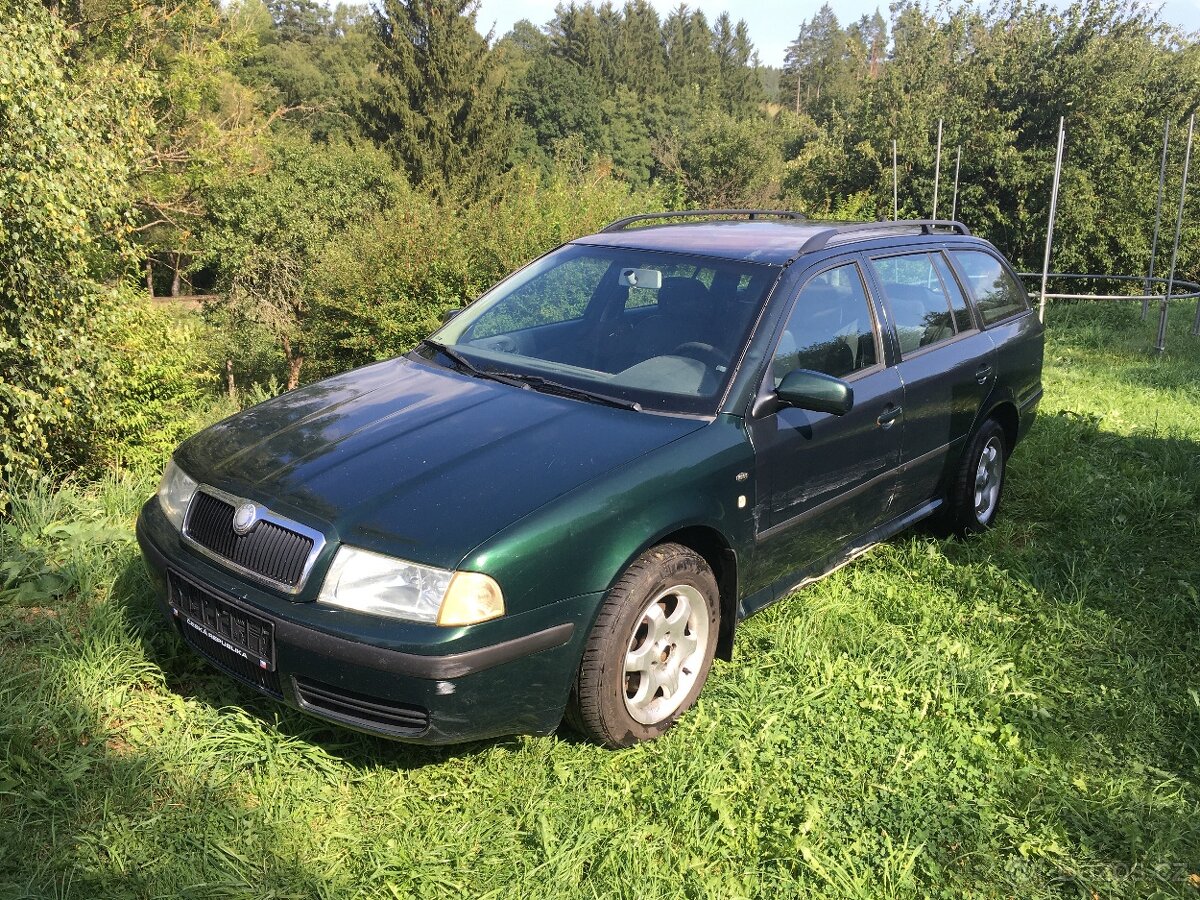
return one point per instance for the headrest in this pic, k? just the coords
(912, 293)
(819, 297)
(684, 297)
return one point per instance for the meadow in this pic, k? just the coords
(1016, 715)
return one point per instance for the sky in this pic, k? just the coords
(773, 24)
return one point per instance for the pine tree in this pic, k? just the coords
(641, 58)
(691, 62)
(578, 35)
(816, 62)
(438, 101)
(738, 83)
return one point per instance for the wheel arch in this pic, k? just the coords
(713, 547)
(1005, 412)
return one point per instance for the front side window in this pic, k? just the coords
(917, 298)
(830, 330)
(657, 329)
(996, 294)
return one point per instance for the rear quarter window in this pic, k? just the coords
(997, 294)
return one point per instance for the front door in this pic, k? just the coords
(825, 479)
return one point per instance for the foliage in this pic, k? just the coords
(1000, 79)
(437, 101)
(68, 144)
(1011, 716)
(722, 162)
(152, 385)
(205, 123)
(621, 79)
(388, 281)
(311, 59)
(269, 229)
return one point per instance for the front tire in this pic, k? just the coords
(974, 497)
(650, 651)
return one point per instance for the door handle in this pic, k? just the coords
(888, 417)
(983, 373)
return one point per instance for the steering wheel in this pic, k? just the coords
(608, 337)
(705, 353)
(502, 343)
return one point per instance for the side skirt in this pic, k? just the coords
(853, 550)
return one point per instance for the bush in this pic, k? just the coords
(385, 283)
(723, 162)
(150, 385)
(68, 143)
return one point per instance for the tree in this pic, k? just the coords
(815, 64)
(556, 99)
(438, 102)
(640, 55)
(691, 62)
(578, 34)
(201, 120)
(724, 162)
(309, 60)
(739, 86)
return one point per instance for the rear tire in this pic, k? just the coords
(974, 496)
(650, 651)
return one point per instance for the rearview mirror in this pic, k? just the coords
(450, 314)
(815, 391)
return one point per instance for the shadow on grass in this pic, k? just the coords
(1101, 532)
(89, 810)
(187, 674)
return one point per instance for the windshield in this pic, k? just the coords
(659, 330)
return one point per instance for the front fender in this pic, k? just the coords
(589, 535)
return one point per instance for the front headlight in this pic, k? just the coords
(175, 492)
(381, 585)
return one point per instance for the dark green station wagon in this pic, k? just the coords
(567, 498)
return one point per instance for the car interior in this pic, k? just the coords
(680, 337)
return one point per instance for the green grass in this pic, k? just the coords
(1014, 716)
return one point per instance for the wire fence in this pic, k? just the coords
(1175, 289)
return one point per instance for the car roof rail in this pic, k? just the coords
(622, 224)
(823, 238)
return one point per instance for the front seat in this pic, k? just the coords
(685, 312)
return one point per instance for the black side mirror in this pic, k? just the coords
(450, 314)
(815, 391)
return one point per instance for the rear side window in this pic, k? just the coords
(917, 297)
(962, 315)
(830, 329)
(996, 293)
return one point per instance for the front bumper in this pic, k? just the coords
(477, 683)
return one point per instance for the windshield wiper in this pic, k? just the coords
(465, 365)
(546, 386)
(530, 382)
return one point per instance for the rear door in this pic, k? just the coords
(945, 362)
(825, 479)
(1015, 330)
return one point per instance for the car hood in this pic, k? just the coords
(416, 461)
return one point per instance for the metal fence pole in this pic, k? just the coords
(937, 170)
(1062, 130)
(954, 202)
(1161, 345)
(1162, 180)
(895, 186)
